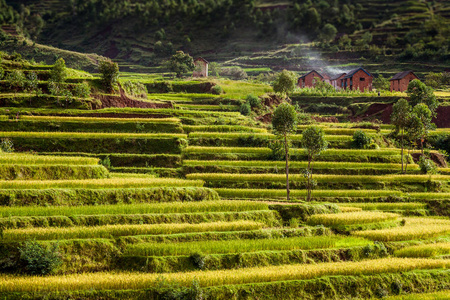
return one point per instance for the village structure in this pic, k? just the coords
(201, 67)
(357, 79)
(401, 80)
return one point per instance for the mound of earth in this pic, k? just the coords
(383, 111)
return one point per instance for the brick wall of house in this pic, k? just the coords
(401, 85)
(308, 81)
(203, 69)
(360, 81)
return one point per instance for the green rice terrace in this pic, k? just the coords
(176, 189)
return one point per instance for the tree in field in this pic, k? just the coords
(314, 142)
(425, 116)
(284, 82)
(16, 80)
(414, 131)
(109, 71)
(284, 122)
(418, 92)
(400, 117)
(381, 83)
(59, 72)
(328, 32)
(181, 63)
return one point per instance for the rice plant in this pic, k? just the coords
(427, 250)
(272, 193)
(151, 208)
(350, 218)
(240, 246)
(99, 120)
(111, 231)
(86, 135)
(415, 228)
(134, 281)
(31, 159)
(98, 183)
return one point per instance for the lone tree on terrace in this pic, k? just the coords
(418, 93)
(285, 82)
(425, 116)
(284, 123)
(400, 117)
(59, 72)
(109, 71)
(314, 142)
(181, 63)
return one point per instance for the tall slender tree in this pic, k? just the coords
(284, 123)
(400, 117)
(314, 142)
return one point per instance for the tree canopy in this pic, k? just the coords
(181, 63)
(285, 82)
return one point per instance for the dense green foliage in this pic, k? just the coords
(109, 74)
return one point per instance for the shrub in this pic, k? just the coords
(16, 79)
(38, 259)
(245, 109)
(2, 73)
(277, 147)
(360, 139)
(136, 89)
(198, 260)
(253, 101)
(6, 145)
(81, 90)
(109, 71)
(216, 90)
(58, 72)
(31, 82)
(427, 166)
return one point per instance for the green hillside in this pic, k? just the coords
(297, 35)
(163, 189)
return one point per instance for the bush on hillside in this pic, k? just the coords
(245, 109)
(109, 71)
(216, 90)
(39, 259)
(81, 90)
(31, 82)
(16, 79)
(361, 140)
(59, 72)
(427, 166)
(6, 145)
(253, 101)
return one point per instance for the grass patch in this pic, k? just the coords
(240, 246)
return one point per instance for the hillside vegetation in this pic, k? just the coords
(297, 35)
(146, 186)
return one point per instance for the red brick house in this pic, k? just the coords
(357, 79)
(308, 79)
(336, 81)
(201, 67)
(401, 80)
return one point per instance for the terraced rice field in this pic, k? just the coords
(144, 203)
